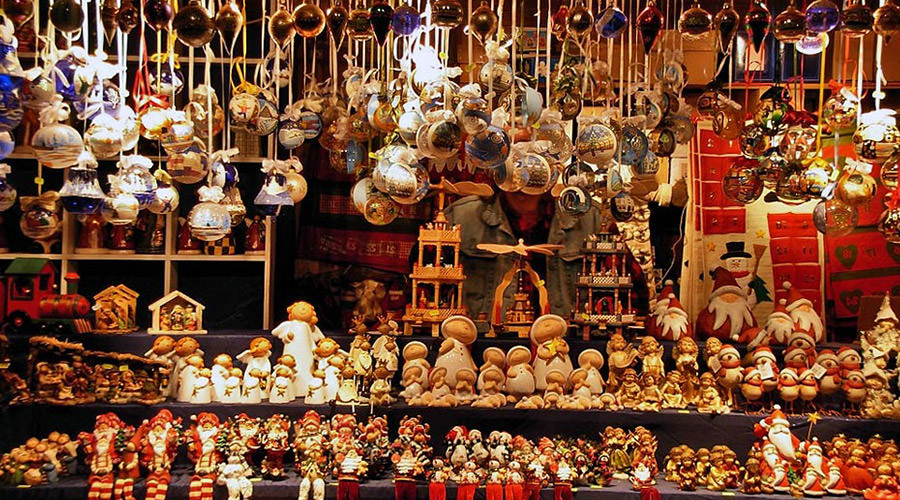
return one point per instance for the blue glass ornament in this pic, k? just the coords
(632, 145)
(7, 144)
(488, 148)
(405, 20)
(822, 16)
(81, 193)
(611, 22)
(11, 111)
(273, 195)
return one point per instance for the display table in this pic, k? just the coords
(71, 488)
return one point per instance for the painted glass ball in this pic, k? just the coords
(632, 145)
(574, 201)
(509, 176)
(840, 109)
(876, 141)
(855, 188)
(7, 144)
(611, 22)
(39, 222)
(189, 166)
(57, 145)
(405, 20)
(81, 193)
(539, 173)
(661, 142)
(444, 138)
(822, 16)
(567, 102)
(193, 25)
(104, 137)
(815, 177)
(266, 120)
(11, 111)
(790, 25)
(835, 218)
(695, 22)
(66, 15)
(889, 225)
(622, 207)
(487, 149)
(742, 182)
(209, 221)
(887, 20)
(728, 122)
(289, 134)
(771, 109)
(165, 200)
(165, 80)
(178, 134)
(596, 144)
(380, 210)
(473, 114)
(496, 76)
(754, 142)
(798, 143)
(120, 209)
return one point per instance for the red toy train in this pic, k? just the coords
(30, 295)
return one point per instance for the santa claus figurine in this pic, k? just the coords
(654, 326)
(102, 456)
(202, 449)
(157, 440)
(779, 448)
(779, 325)
(821, 474)
(674, 323)
(804, 315)
(728, 312)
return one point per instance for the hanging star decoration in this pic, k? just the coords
(812, 419)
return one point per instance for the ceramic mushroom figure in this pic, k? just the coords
(546, 335)
(459, 333)
(519, 373)
(256, 357)
(493, 357)
(300, 335)
(591, 361)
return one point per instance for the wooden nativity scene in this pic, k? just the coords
(176, 314)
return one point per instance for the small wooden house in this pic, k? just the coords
(114, 310)
(176, 314)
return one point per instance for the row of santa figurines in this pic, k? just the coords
(148, 236)
(230, 452)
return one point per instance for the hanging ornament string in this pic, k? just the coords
(821, 101)
(878, 94)
(547, 49)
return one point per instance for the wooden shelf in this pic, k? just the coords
(217, 258)
(17, 255)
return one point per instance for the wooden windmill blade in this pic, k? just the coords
(544, 249)
(496, 248)
(466, 188)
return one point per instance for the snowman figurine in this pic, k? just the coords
(546, 335)
(459, 333)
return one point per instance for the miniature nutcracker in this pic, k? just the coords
(158, 440)
(438, 475)
(300, 336)
(467, 481)
(203, 451)
(275, 442)
(102, 456)
(563, 476)
(351, 468)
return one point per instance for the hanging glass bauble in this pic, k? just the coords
(840, 110)
(408, 124)
(289, 133)
(662, 142)
(55, 144)
(488, 148)
(380, 14)
(650, 23)
(189, 166)
(496, 76)
(558, 21)
(889, 171)
(358, 26)
(7, 191)
(81, 193)
(539, 173)
(787, 188)
(66, 15)
(550, 128)
(104, 136)
(877, 137)
(525, 107)
(193, 25)
(581, 174)
(889, 225)
(812, 43)
(742, 182)
(611, 22)
(727, 23)
(815, 177)
(799, 140)
(632, 145)
(447, 14)
(728, 121)
(281, 25)
(152, 121)
(835, 218)
(770, 169)
(134, 177)
(229, 22)
(40, 216)
(822, 16)
(165, 80)
(380, 209)
(649, 166)
(483, 22)
(158, 13)
(7, 144)
(790, 25)
(127, 17)
(754, 142)
(108, 12)
(444, 138)
(856, 19)
(337, 21)
(198, 111)
(709, 101)
(166, 197)
(120, 209)
(622, 207)
(596, 144)
(18, 11)
(272, 196)
(855, 188)
(579, 21)
(567, 102)
(266, 120)
(887, 20)
(574, 201)
(757, 21)
(309, 20)
(509, 176)
(473, 114)
(771, 109)
(178, 133)
(695, 22)
(405, 20)
(296, 186)
(209, 220)
(11, 111)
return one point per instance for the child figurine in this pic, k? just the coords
(437, 480)
(621, 356)
(547, 337)
(187, 377)
(281, 383)
(202, 450)
(459, 333)
(185, 347)
(351, 468)
(256, 373)
(231, 394)
(157, 443)
(102, 457)
(203, 390)
(220, 371)
(300, 336)
(514, 481)
(275, 442)
(686, 475)
(129, 467)
(234, 475)
(380, 392)
(163, 349)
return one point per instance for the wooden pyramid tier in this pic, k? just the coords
(603, 287)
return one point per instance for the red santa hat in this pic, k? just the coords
(826, 354)
(676, 305)
(845, 353)
(456, 432)
(311, 417)
(667, 290)
(777, 417)
(886, 312)
(793, 353)
(207, 418)
(109, 419)
(780, 311)
(724, 283)
(164, 417)
(801, 335)
(728, 348)
(814, 445)
(794, 298)
(763, 352)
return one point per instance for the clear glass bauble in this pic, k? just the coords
(39, 222)
(309, 20)
(632, 145)
(876, 141)
(889, 171)
(209, 221)
(727, 22)
(742, 183)
(596, 144)
(7, 194)
(405, 20)
(193, 25)
(889, 225)
(835, 218)
(487, 149)
(887, 20)
(857, 19)
(447, 14)
(135, 178)
(790, 25)
(611, 22)
(695, 22)
(757, 21)
(855, 188)
(574, 201)
(822, 16)
(120, 209)
(165, 200)
(840, 110)
(178, 134)
(104, 137)
(57, 145)
(495, 76)
(798, 143)
(189, 166)
(81, 193)
(650, 23)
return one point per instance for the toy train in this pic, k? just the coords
(31, 303)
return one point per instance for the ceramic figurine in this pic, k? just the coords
(300, 336)
(102, 454)
(202, 450)
(255, 236)
(275, 442)
(281, 382)
(685, 354)
(651, 394)
(709, 399)
(380, 392)
(621, 356)
(438, 475)
(520, 376)
(406, 468)
(329, 362)
(591, 360)
(256, 373)
(491, 393)
(247, 433)
(671, 391)
(414, 377)
(459, 333)
(547, 336)
(187, 378)
(202, 392)
(728, 372)
(233, 474)
(385, 350)
(121, 239)
(185, 347)
(885, 486)
(220, 371)
(151, 229)
(310, 455)
(493, 357)
(92, 235)
(629, 392)
(751, 483)
(650, 353)
(158, 443)
(352, 468)
(686, 471)
(464, 391)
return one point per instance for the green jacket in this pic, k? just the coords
(482, 221)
